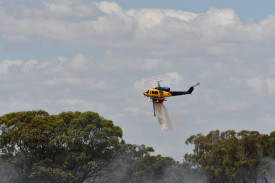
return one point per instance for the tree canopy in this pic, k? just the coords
(246, 156)
(68, 147)
(84, 147)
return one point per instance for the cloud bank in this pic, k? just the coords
(98, 56)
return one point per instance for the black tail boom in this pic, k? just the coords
(175, 93)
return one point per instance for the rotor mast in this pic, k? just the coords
(158, 80)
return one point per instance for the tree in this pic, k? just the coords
(85, 147)
(231, 156)
(68, 147)
(135, 164)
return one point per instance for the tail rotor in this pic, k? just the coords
(196, 85)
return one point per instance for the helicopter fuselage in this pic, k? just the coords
(159, 93)
(155, 93)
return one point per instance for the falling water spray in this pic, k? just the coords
(163, 116)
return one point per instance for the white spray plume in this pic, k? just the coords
(163, 116)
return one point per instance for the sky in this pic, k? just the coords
(66, 55)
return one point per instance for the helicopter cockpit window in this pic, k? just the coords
(156, 92)
(153, 92)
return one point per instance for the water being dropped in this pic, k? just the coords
(163, 116)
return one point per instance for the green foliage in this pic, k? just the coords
(76, 147)
(69, 147)
(134, 164)
(231, 156)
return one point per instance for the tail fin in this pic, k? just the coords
(190, 90)
(196, 84)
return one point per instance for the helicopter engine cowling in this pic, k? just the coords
(163, 88)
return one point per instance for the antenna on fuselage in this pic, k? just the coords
(158, 80)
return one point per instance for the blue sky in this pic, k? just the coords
(66, 55)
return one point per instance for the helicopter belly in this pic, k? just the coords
(158, 100)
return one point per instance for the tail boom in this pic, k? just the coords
(175, 93)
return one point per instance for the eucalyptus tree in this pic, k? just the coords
(68, 147)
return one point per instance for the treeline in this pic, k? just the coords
(246, 156)
(85, 147)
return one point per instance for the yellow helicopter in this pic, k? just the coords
(159, 94)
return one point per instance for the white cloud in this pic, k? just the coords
(152, 64)
(268, 119)
(83, 105)
(41, 83)
(7, 64)
(29, 65)
(81, 62)
(222, 17)
(235, 105)
(62, 81)
(65, 9)
(132, 110)
(111, 8)
(262, 85)
(257, 83)
(88, 83)
(270, 85)
(233, 61)
(98, 23)
(170, 78)
(181, 15)
(147, 20)
(60, 65)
